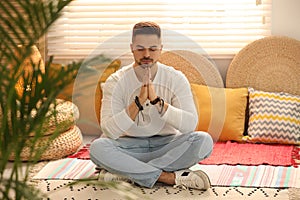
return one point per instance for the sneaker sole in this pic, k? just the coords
(205, 178)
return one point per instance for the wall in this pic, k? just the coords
(222, 64)
(285, 18)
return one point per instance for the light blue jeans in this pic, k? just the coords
(143, 159)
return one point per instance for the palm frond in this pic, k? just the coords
(24, 22)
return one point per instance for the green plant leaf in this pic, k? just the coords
(24, 22)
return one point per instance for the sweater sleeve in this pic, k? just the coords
(182, 112)
(114, 119)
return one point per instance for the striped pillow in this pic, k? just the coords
(274, 117)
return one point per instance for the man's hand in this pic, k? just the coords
(151, 92)
(143, 96)
(147, 90)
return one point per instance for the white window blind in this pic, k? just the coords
(219, 27)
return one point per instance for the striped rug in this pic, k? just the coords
(220, 175)
(68, 169)
(252, 176)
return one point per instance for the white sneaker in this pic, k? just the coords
(109, 177)
(192, 179)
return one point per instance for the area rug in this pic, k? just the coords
(220, 175)
(233, 153)
(60, 189)
(252, 176)
(68, 169)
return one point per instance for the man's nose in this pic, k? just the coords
(146, 53)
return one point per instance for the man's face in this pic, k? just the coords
(146, 49)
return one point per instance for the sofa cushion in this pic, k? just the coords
(221, 111)
(28, 65)
(110, 69)
(274, 117)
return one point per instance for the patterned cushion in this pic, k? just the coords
(274, 117)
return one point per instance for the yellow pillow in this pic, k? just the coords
(27, 66)
(222, 111)
(110, 69)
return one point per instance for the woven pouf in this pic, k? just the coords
(59, 119)
(59, 136)
(64, 144)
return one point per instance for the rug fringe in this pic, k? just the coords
(296, 156)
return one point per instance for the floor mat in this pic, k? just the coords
(220, 175)
(234, 153)
(68, 169)
(59, 189)
(252, 176)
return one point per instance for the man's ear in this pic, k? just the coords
(131, 47)
(161, 47)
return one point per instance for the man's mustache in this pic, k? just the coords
(147, 59)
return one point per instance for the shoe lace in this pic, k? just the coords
(180, 187)
(108, 177)
(186, 183)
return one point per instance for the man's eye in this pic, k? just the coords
(153, 49)
(140, 49)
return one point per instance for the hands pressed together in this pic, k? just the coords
(147, 92)
(147, 89)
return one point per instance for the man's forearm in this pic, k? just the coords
(132, 110)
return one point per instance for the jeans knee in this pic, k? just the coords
(201, 136)
(100, 145)
(204, 142)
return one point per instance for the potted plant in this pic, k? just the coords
(25, 89)
(28, 92)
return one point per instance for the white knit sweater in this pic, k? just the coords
(120, 90)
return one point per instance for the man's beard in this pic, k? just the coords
(144, 66)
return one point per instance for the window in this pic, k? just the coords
(220, 28)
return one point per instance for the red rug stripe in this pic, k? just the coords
(233, 153)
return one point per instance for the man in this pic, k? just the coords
(148, 118)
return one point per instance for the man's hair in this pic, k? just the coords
(146, 28)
